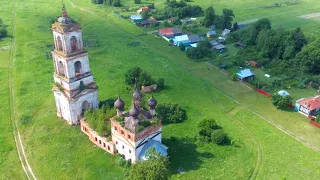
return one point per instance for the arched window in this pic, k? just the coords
(59, 44)
(77, 68)
(73, 42)
(61, 69)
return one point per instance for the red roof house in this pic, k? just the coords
(309, 106)
(167, 32)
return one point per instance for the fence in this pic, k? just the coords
(314, 123)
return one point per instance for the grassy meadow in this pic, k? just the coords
(56, 150)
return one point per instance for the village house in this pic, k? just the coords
(225, 32)
(213, 43)
(309, 107)
(169, 32)
(245, 74)
(136, 18)
(183, 39)
(133, 132)
(195, 38)
(211, 34)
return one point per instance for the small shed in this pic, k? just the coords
(213, 43)
(225, 32)
(167, 32)
(283, 93)
(219, 47)
(177, 32)
(136, 18)
(210, 34)
(245, 74)
(240, 44)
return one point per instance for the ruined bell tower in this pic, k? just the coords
(74, 89)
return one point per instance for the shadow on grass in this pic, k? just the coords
(183, 154)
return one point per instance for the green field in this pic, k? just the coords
(56, 150)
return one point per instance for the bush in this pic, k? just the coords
(171, 113)
(209, 131)
(145, 123)
(137, 74)
(26, 119)
(137, 1)
(182, 47)
(318, 118)
(220, 137)
(281, 101)
(160, 84)
(97, 1)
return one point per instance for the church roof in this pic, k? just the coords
(65, 23)
(162, 149)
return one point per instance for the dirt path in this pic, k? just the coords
(16, 134)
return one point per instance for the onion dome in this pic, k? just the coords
(137, 95)
(152, 102)
(119, 104)
(134, 112)
(64, 19)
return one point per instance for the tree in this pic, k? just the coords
(133, 75)
(209, 16)
(116, 3)
(235, 26)
(97, 1)
(145, 14)
(309, 58)
(108, 2)
(281, 101)
(220, 137)
(160, 84)
(156, 167)
(227, 18)
(206, 126)
(171, 113)
(318, 118)
(137, 1)
(209, 131)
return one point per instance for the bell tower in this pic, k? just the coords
(74, 89)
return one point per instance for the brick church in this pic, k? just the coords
(75, 91)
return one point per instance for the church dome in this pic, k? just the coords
(119, 104)
(64, 20)
(137, 95)
(134, 112)
(152, 102)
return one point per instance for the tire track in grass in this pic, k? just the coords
(15, 131)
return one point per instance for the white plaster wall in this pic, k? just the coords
(75, 84)
(125, 150)
(71, 111)
(65, 37)
(69, 65)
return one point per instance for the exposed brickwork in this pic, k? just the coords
(96, 139)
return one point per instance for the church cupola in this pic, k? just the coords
(64, 11)
(152, 103)
(134, 112)
(137, 97)
(119, 105)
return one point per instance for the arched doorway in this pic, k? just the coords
(73, 42)
(59, 44)
(77, 68)
(61, 69)
(84, 107)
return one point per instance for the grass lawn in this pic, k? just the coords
(57, 150)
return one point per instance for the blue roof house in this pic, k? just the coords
(283, 93)
(162, 149)
(245, 74)
(177, 40)
(211, 33)
(136, 18)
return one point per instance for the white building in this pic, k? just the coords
(75, 90)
